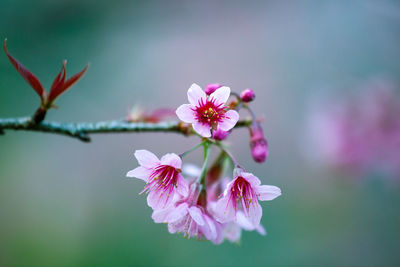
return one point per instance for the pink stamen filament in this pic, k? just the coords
(208, 112)
(162, 179)
(243, 193)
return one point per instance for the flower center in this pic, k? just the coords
(163, 177)
(208, 112)
(243, 193)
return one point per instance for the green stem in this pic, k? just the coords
(191, 150)
(207, 152)
(224, 149)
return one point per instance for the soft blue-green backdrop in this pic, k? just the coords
(67, 203)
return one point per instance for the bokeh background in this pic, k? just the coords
(67, 203)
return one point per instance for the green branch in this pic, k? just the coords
(81, 130)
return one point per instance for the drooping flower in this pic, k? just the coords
(206, 113)
(187, 216)
(258, 143)
(243, 193)
(163, 177)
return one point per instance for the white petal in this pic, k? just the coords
(268, 192)
(229, 121)
(255, 213)
(224, 210)
(195, 93)
(178, 213)
(221, 95)
(140, 172)
(172, 159)
(202, 129)
(146, 158)
(244, 221)
(251, 178)
(261, 230)
(196, 215)
(232, 232)
(191, 170)
(185, 113)
(182, 186)
(160, 216)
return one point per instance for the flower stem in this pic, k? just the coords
(207, 152)
(191, 150)
(224, 149)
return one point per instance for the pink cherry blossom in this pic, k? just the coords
(163, 177)
(233, 231)
(187, 217)
(206, 113)
(243, 193)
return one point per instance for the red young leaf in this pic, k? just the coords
(58, 81)
(66, 85)
(26, 74)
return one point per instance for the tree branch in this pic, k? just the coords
(81, 130)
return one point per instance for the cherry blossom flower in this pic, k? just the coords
(244, 191)
(206, 113)
(188, 217)
(163, 177)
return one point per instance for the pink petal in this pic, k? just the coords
(244, 221)
(172, 159)
(196, 215)
(146, 158)
(261, 230)
(253, 180)
(160, 216)
(208, 229)
(268, 192)
(255, 213)
(221, 95)
(230, 121)
(202, 129)
(159, 199)
(223, 212)
(140, 172)
(182, 186)
(178, 213)
(195, 93)
(185, 113)
(191, 170)
(232, 232)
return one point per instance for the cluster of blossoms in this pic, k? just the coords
(361, 134)
(203, 203)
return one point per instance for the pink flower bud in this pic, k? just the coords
(247, 95)
(220, 134)
(211, 88)
(258, 143)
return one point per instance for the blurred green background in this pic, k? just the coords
(67, 203)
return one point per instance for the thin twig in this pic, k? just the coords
(81, 130)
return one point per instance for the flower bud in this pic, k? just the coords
(258, 143)
(247, 95)
(211, 88)
(220, 134)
